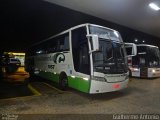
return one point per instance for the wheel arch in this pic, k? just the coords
(62, 74)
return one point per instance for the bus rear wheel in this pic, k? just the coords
(32, 76)
(63, 82)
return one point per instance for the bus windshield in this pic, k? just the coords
(154, 51)
(149, 56)
(153, 56)
(111, 57)
(105, 33)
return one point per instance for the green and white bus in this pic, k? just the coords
(87, 57)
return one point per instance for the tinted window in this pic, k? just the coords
(80, 50)
(57, 44)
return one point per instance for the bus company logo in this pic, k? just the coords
(58, 58)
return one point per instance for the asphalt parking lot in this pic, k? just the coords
(141, 97)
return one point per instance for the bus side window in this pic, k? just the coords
(64, 43)
(52, 46)
(58, 44)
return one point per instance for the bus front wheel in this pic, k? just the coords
(63, 82)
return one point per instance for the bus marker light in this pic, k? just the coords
(36, 72)
(116, 86)
(86, 79)
(73, 76)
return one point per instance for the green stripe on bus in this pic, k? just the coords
(76, 83)
(79, 84)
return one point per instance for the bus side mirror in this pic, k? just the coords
(131, 49)
(94, 42)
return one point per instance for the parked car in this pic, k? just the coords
(13, 61)
(12, 64)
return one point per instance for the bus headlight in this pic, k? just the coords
(153, 71)
(98, 78)
(135, 69)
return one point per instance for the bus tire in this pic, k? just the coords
(31, 76)
(63, 82)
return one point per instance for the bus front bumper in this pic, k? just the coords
(102, 87)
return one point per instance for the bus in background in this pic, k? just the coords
(146, 63)
(87, 57)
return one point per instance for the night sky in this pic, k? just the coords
(24, 22)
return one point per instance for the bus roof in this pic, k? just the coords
(72, 28)
(147, 45)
